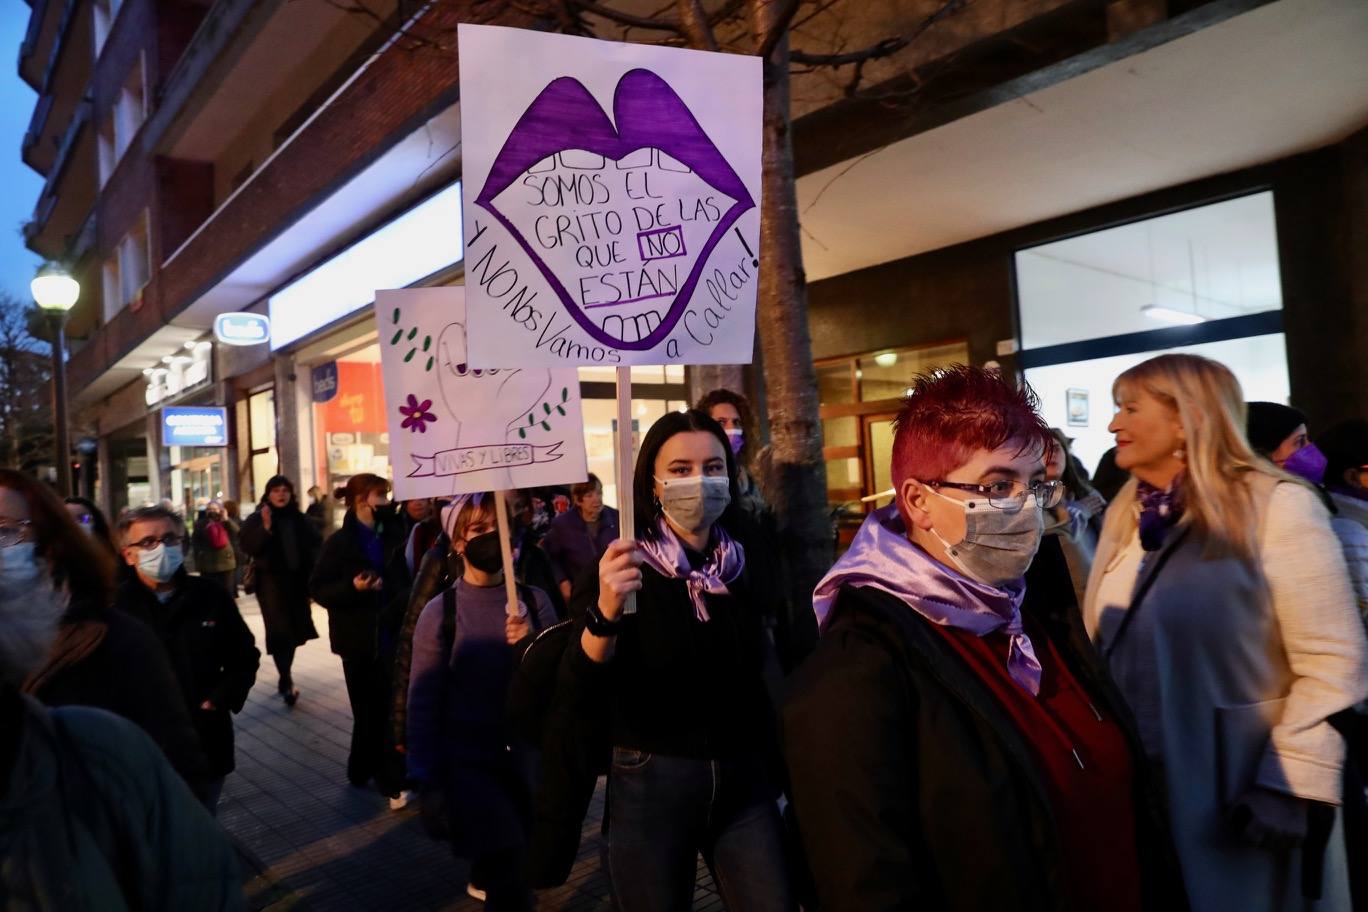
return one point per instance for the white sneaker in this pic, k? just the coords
(475, 892)
(402, 800)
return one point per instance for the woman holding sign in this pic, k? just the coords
(680, 683)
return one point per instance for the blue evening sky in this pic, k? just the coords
(21, 184)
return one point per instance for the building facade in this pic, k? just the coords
(1009, 187)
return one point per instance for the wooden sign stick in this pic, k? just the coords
(506, 549)
(626, 510)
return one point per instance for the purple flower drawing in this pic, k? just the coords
(416, 414)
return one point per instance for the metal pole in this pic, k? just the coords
(59, 407)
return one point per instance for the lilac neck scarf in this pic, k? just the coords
(882, 557)
(665, 555)
(1159, 510)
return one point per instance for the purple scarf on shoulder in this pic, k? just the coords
(1159, 510)
(882, 557)
(665, 555)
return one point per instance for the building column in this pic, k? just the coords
(154, 457)
(293, 426)
(104, 477)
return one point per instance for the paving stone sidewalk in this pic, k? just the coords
(309, 841)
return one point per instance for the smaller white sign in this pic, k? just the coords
(242, 328)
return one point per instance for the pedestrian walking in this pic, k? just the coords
(1220, 601)
(213, 654)
(579, 536)
(1073, 524)
(91, 814)
(99, 657)
(233, 523)
(1343, 470)
(349, 582)
(214, 548)
(952, 744)
(678, 687)
(283, 545)
(733, 412)
(91, 521)
(475, 779)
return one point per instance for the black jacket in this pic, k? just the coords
(913, 788)
(111, 661)
(353, 615)
(282, 573)
(212, 653)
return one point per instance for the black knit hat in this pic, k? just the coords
(1269, 424)
(1345, 447)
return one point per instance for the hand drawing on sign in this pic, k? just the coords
(622, 216)
(516, 412)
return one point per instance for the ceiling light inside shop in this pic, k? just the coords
(422, 241)
(886, 359)
(1169, 315)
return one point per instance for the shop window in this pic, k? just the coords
(600, 433)
(134, 263)
(1204, 280)
(261, 440)
(860, 397)
(349, 426)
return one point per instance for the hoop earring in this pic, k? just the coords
(1180, 454)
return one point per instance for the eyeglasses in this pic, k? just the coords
(1010, 496)
(147, 544)
(14, 531)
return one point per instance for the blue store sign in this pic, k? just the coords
(242, 328)
(194, 426)
(324, 379)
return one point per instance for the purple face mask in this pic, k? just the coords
(736, 437)
(1308, 462)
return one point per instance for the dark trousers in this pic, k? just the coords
(283, 656)
(371, 755)
(666, 810)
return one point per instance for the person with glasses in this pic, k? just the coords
(1221, 604)
(212, 653)
(950, 745)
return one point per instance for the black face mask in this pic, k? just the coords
(483, 552)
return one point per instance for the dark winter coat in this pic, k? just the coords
(353, 615)
(109, 660)
(92, 817)
(213, 654)
(571, 548)
(282, 573)
(209, 559)
(883, 717)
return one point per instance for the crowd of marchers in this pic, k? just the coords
(1021, 686)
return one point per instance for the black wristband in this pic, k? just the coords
(598, 625)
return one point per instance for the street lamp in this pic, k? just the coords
(55, 293)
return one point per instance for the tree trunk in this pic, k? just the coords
(793, 475)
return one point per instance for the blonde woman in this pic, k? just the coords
(1220, 601)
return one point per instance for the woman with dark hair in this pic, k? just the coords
(283, 545)
(101, 657)
(349, 582)
(92, 522)
(733, 412)
(579, 536)
(1275, 431)
(680, 683)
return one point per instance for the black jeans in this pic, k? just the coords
(665, 810)
(371, 753)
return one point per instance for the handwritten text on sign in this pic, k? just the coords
(598, 238)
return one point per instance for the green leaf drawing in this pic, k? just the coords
(412, 332)
(395, 318)
(522, 434)
(409, 356)
(565, 393)
(428, 367)
(546, 407)
(427, 342)
(560, 409)
(398, 334)
(545, 426)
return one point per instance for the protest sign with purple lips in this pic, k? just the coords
(612, 200)
(455, 428)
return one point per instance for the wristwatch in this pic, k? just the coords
(598, 625)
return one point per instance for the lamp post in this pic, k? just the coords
(55, 293)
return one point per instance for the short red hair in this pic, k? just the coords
(957, 411)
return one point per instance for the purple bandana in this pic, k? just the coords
(1159, 510)
(882, 557)
(665, 555)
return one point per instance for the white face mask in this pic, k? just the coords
(998, 546)
(20, 568)
(696, 502)
(31, 610)
(161, 563)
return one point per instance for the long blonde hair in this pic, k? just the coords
(1217, 501)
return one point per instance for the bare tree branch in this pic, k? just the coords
(694, 23)
(612, 15)
(778, 27)
(885, 48)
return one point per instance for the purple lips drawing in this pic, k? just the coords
(621, 220)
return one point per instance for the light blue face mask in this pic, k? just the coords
(161, 563)
(997, 546)
(20, 567)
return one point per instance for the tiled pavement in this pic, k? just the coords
(311, 842)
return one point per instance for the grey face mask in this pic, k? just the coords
(696, 502)
(998, 546)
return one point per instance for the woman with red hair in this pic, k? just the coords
(950, 745)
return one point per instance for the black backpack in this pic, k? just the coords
(534, 682)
